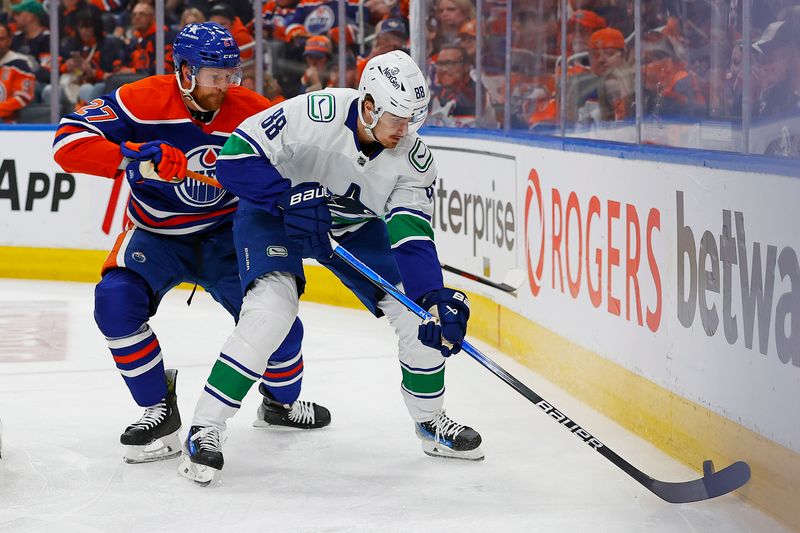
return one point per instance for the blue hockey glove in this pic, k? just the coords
(447, 329)
(154, 160)
(307, 219)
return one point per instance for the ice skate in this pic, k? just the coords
(441, 437)
(155, 436)
(202, 455)
(300, 414)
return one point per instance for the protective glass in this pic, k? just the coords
(221, 78)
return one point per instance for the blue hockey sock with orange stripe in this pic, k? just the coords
(122, 304)
(139, 360)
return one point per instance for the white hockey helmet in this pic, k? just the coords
(397, 85)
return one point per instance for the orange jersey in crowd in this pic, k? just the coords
(275, 17)
(16, 84)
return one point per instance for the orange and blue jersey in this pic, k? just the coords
(16, 84)
(87, 141)
(274, 19)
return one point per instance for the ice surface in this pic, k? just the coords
(64, 405)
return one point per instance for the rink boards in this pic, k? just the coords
(659, 290)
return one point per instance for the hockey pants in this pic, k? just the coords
(268, 312)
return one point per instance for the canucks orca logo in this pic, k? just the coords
(347, 208)
(320, 20)
(203, 160)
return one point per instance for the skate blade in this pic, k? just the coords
(202, 475)
(167, 447)
(438, 450)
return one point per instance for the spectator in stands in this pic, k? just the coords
(776, 69)
(274, 16)
(615, 92)
(317, 55)
(450, 16)
(241, 8)
(88, 59)
(224, 15)
(618, 13)
(468, 39)
(580, 27)
(68, 11)
(351, 73)
(534, 27)
(453, 91)
(385, 9)
(390, 34)
(669, 89)
(33, 38)
(189, 15)
(16, 78)
(140, 53)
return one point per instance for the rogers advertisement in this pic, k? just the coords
(684, 275)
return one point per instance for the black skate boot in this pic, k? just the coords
(202, 455)
(300, 415)
(155, 436)
(441, 437)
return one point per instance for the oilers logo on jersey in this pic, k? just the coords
(202, 160)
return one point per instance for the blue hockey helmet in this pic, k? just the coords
(212, 55)
(205, 44)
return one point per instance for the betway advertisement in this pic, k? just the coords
(43, 206)
(684, 275)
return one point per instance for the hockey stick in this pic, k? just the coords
(711, 485)
(208, 180)
(511, 283)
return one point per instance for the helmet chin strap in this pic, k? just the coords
(368, 127)
(187, 93)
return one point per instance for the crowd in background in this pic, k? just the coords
(690, 56)
(104, 43)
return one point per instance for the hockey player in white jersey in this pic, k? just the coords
(346, 162)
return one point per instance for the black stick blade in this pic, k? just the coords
(711, 485)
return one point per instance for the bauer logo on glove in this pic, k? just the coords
(308, 194)
(307, 219)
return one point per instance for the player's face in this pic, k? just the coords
(211, 85)
(390, 129)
